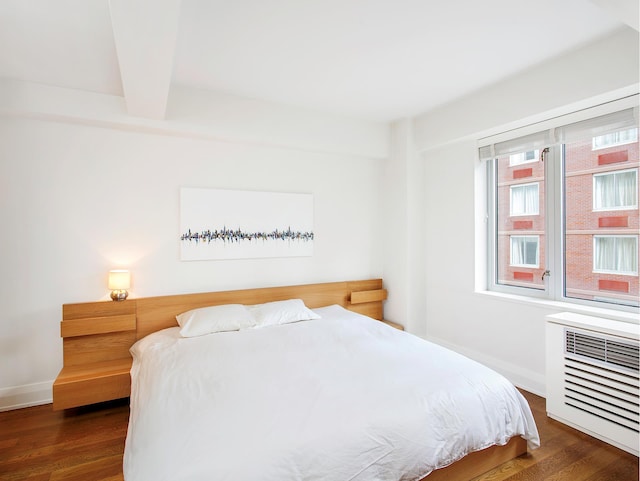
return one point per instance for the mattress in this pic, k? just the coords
(343, 397)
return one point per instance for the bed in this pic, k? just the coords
(327, 394)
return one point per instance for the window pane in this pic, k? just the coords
(585, 249)
(601, 219)
(520, 224)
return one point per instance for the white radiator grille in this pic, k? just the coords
(601, 377)
(606, 350)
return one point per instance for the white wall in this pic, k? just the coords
(403, 201)
(81, 196)
(505, 334)
(508, 337)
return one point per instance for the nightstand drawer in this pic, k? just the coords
(92, 383)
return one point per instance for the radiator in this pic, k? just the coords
(593, 377)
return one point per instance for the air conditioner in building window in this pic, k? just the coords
(593, 379)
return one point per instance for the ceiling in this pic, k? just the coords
(376, 60)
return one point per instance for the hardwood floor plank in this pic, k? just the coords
(584, 468)
(544, 470)
(8, 443)
(35, 477)
(104, 468)
(616, 471)
(60, 456)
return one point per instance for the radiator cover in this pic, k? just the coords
(593, 377)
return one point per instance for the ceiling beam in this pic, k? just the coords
(145, 33)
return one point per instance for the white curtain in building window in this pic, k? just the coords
(627, 188)
(524, 251)
(517, 251)
(628, 254)
(517, 203)
(603, 191)
(615, 190)
(604, 253)
(524, 199)
(617, 254)
(531, 199)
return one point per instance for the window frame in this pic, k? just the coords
(553, 288)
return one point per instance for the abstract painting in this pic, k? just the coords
(233, 224)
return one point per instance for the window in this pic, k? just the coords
(615, 254)
(524, 251)
(565, 226)
(524, 157)
(620, 137)
(615, 190)
(524, 199)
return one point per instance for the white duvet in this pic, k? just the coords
(340, 398)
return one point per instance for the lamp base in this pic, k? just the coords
(119, 295)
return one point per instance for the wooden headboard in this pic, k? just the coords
(365, 297)
(149, 314)
(97, 336)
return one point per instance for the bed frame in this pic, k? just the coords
(97, 337)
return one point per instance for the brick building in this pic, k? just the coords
(601, 219)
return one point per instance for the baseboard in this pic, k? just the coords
(523, 378)
(18, 397)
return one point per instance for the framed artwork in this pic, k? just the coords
(232, 224)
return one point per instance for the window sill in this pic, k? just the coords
(630, 317)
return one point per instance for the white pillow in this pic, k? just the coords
(281, 312)
(207, 320)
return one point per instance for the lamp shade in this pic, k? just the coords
(119, 279)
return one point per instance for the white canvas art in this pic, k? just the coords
(231, 224)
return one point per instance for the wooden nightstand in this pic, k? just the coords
(393, 324)
(96, 342)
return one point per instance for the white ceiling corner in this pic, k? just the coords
(627, 11)
(145, 33)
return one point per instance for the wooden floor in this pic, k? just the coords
(86, 444)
